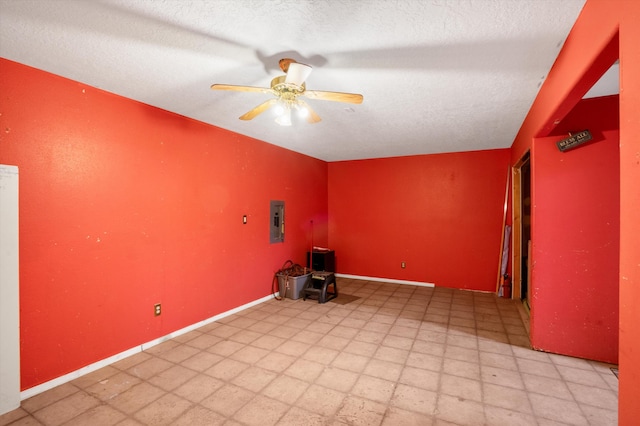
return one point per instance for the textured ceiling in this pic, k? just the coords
(437, 76)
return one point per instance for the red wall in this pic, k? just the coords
(441, 214)
(605, 30)
(629, 15)
(123, 205)
(576, 229)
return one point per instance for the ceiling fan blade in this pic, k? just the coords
(311, 117)
(352, 98)
(259, 109)
(240, 88)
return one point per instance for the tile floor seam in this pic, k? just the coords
(52, 402)
(581, 404)
(143, 406)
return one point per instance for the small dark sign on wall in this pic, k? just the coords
(574, 141)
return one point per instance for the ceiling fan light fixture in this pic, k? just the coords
(303, 112)
(297, 73)
(284, 119)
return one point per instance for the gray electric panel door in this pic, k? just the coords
(276, 216)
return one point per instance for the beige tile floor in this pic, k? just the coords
(399, 355)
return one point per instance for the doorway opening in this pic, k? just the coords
(522, 230)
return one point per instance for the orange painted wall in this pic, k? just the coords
(123, 205)
(576, 234)
(441, 214)
(605, 31)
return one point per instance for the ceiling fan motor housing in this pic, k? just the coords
(286, 91)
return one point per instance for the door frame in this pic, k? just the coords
(516, 232)
(9, 291)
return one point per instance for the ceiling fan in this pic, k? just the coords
(287, 89)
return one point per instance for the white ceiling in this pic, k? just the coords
(436, 75)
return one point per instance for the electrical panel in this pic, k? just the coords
(276, 216)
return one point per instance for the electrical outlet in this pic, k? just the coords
(403, 265)
(157, 309)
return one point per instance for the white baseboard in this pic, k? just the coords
(28, 393)
(386, 280)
